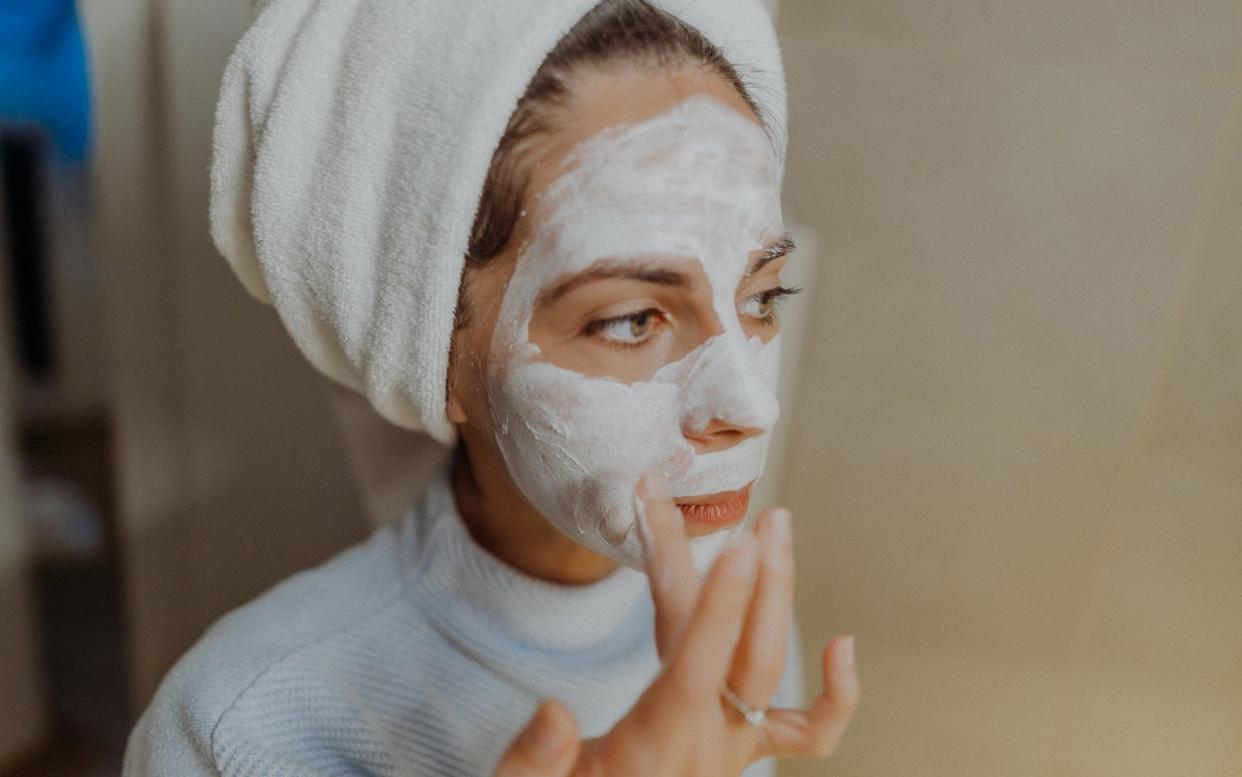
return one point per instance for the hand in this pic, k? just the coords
(733, 627)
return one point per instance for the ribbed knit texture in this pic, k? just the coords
(415, 652)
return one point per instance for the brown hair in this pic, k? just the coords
(614, 31)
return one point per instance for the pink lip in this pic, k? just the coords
(720, 509)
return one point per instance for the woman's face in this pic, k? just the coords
(630, 325)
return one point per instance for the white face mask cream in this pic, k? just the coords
(697, 184)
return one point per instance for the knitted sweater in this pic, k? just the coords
(415, 652)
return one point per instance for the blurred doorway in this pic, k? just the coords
(63, 620)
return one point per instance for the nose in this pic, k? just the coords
(729, 395)
(719, 435)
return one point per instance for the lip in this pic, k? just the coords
(722, 509)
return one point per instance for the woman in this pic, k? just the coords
(606, 362)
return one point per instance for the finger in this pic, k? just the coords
(666, 557)
(817, 731)
(759, 662)
(702, 657)
(547, 747)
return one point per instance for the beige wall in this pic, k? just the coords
(1017, 461)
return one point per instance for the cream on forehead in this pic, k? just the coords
(700, 154)
(698, 182)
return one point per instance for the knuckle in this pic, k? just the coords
(847, 710)
(769, 676)
(822, 743)
(682, 680)
(827, 735)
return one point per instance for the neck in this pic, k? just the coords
(501, 520)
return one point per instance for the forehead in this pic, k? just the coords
(699, 179)
(699, 155)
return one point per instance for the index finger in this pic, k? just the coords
(666, 556)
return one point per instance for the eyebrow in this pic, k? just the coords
(609, 269)
(606, 270)
(782, 246)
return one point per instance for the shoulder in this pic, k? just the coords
(261, 640)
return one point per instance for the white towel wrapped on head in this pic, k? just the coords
(351, 145)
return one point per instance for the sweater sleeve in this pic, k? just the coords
(169, 742)
(184, 731)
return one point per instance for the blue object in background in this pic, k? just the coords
(43, 77)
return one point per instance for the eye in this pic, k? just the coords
(628, 330)
(762, 306)
(758, 306)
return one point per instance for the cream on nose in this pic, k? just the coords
(728, 387)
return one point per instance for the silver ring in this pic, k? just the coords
(753, 715)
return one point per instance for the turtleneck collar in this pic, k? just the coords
(476, 594)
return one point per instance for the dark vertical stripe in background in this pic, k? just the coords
(22, 166)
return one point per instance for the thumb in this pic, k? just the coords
(547, 747)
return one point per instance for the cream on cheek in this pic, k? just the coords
(698, 181)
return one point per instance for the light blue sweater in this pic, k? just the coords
(415, 652)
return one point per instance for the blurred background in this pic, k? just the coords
(1012, 403)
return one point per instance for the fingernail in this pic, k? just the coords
(847, 652)
(781, 531)
(543, 740)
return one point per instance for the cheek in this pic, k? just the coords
(766, 332)
(601, 427)
(576, 447)
(470, 391)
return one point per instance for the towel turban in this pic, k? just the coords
(351, 144)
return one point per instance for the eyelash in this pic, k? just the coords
(775, 296)
(595, 327)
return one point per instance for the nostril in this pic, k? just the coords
(720, 434)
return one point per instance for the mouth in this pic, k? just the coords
(714, 511)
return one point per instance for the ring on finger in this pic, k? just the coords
(753, 715)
